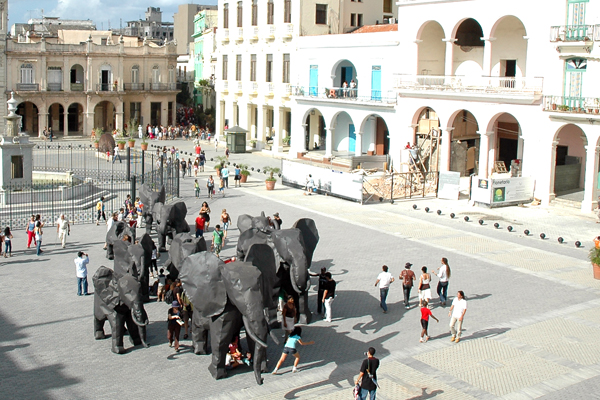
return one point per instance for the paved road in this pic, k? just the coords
(530, 330)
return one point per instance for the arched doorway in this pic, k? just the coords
(344, 71)
(315, 133)
(104, 116)
(75, 118)
(29, 122)
(509, 49)
(344, 133)
(431, 49)
(427, 134)
(507, 143)
(570, 160)
(468, 49)
(464, 148)
(375, 139)
(56, 119)
(77, 78)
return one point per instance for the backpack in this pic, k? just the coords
(169, 297)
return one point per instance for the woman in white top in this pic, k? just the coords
(424, 287)
(442, 287)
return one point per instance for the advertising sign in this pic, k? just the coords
(512, 190)
(449, 185)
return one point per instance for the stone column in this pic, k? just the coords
(262, 123)
(487, 57)
(66, 121)
(449, 69)
(446, 149)
(551, 194)
(591, 178)
(251, 128)
(484, 149)
(278, 120)
(42, 122)
(329, 142)
(119, 116)
(358, 144)
(302, 144)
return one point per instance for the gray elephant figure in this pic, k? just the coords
(116, 233)
(140, 258)
(293, 249)
(183, 245)
(170, 220)
(225, 298)
(149, 199)
(118, 300)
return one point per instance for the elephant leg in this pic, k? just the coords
(118, 330)
(222, 329)
(132, 329)
(99, 328)
(148, 222)
(305, 315)
(110, 252)
(199, 333)
(145, 283)
(162, 238)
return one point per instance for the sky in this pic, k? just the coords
(100, 11)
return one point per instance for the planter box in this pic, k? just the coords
(243, 178)
(270, 185)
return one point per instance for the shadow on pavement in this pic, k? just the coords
(424, 395)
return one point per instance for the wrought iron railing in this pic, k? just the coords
(76, 87)
(133, 86)
(469, 84)
(28, 87)
(345, 94)
(578, 105)
(573, 33)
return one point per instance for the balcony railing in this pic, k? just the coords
(269, 88)
(133, 86)
(54, 87)
(285, 89)
(574, 33)
(253, 87)
(106, 87)
(239, 34)
(28, 87)
(158, 87)
(286, 31)
(268, 32)
(254, 32)
(469, 84)
(239, 87)
(577, 105)
(344, 94)
(224, 34)
(76, 87)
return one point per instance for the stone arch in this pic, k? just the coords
(375, 138)
(75, 118)
(343, 70)
(570, 159)
(465, 142)
(105, 115)
(315, 131)
(509, 47)
(468, 49)
(344, 132)
(77, 78)
(431, 57)
(29, 112)
(506, 142)
(56, 120)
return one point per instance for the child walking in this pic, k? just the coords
(7, 242)
(425, 314)
(290, 348)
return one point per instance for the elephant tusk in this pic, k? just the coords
(251, 334)
(274, 337)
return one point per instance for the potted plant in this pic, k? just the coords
(221, 160)
(554, 106)
(131, 142)
(244, 172)
(144, 144)
(594, 257)
(121, 144)
(96, 143)
(270, 181)
(253, 143)
(286, 140)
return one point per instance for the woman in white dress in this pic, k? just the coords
(424, 286)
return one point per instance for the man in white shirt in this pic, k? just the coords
(384, 279)
(116, 154)
(81, 263)
(457, 314)
(63, 229)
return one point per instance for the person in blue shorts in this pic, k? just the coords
(290, 348)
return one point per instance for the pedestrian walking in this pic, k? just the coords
(210, 186)
(289, 347)
(81, 263)
(217, 240)
(38, 236)
(277, 221)
(289, 316)
(222, 186)
(183, 166)
(237, 176)
(457, 315)
(225, 175)
(425, 314)
(320, 288)
(227, 152)
(225, 220)
(116, 154)
(189, 166)
(153, 259)
(200, 223)
(443, 275)
(424, 286)
(328, 295)
(408, 278)
(384, 279)
(310, 185)
(196, 188)
(174, 326)
(63, 229)
(367, 377)
(205, 209)
(7, 242)
(30, 232)
(100, 210)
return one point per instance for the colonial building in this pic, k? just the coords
(257, 42)
(83, 80)
(205, 57)
(183, 24)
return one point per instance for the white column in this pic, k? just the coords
(551, 194)
(65, 121)
(329, 142)
(446, 149)
(302, 144)
(251, 128)
(449, 71)
(278, 120)
(484, 148)
(487, 57)
(119, 117)
(358, 144)
(591, 177)
(262, 123)
(42, 122)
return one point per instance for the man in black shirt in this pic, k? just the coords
(367, 379)
(328, 295)
(322, 282)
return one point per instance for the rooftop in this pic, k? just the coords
(377, 28)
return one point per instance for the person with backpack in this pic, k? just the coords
(170, 294)
(367, 378)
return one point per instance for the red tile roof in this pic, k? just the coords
(377, 28)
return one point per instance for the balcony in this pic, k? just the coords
(224, 87)
(254, 32)
(286, 31)
(574, 33)
(239, 34)
(106, 87)
(54, 87)
(268, 32)
(28, 87)
(401, 3)
(344, 95)
(252, 88)
(269, 89)
(474, 88)
(163, 87)
(239, 88)
(572, 105)
(285, 90)
(224, 35)
(76, 87)
(133, 86)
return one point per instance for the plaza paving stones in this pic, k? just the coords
(529, 331)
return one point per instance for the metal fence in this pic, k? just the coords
(398, 186)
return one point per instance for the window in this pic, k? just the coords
(238, 67)
(269, 77)
(171, 74)
(135, 112)
(387, 6)
(103, 41)
(27, 73)
(224, 68)
(287, 11)
(254, 12)
(359, 19)
(286, 68)
(226, 16)
(16, 163)
(155, 74)
(253, 68)
(135, 74)
(321, 14)
(239, 14)
(270, 12)
(353, 19)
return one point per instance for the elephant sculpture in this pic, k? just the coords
(183, 245)
(140, 258)
(170, 221)
(116, 233)
(149, 199)
(293, 250)
(225, 298)
(118, 300)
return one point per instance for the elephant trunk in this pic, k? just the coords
(259, 358)
(250, 332)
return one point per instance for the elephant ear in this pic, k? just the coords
(201, 278)
(310, 234)
(289, 243)
(244, 223)
(147, 244)
(105, 286)
(123, 260)
(136, 252)
(182, 246)
(162, 195)
(262, 256)
(243, 282)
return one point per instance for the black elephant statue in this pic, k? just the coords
(118, 300)
(149, 199)
(227, 297)
(182, 245)
(116, 233)
(293, 249)
(170, 221)
(140, 258)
